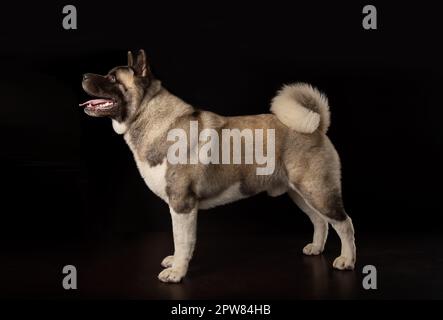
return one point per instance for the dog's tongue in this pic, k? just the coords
(94, 102)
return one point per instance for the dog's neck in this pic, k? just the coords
(121, 127)
(147, 134)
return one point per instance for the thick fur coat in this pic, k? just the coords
(307, 166)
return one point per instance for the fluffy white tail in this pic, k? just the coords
(302, 108)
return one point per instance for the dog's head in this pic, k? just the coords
(119, 93)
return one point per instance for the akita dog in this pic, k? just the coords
(306, 164)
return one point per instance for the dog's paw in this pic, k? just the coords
(167, 262)
(312, 250)
(343, 263)
(171, 275)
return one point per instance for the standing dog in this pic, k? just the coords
(306, 165)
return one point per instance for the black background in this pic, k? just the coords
(65, 175)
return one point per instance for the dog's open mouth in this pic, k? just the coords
(98, 104)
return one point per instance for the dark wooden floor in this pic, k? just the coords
(226, 266)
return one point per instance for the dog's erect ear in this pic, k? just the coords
(141, 67)
(130, 59)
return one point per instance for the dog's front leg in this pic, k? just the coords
(184, 227)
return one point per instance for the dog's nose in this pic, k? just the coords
(86, 76)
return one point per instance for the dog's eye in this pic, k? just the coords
(112, 78)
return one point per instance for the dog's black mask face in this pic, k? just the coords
(119, 93)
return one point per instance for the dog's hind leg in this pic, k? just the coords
(319, 186)
(345, 230)
(320, 225)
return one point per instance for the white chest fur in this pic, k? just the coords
(155, 177)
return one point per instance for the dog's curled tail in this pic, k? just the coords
(302, 108)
